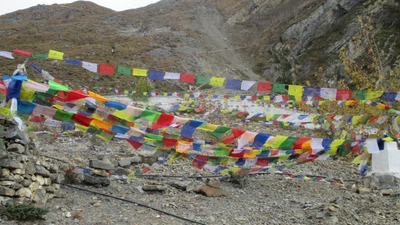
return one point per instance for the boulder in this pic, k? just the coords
(96, 180)
(103, 164)
(5, 191)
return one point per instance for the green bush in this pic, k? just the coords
(23, 212)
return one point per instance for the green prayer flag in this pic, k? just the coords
(279, 88)
(63, 116)
(272, 160)
(202, 79)
(288, 143)
(93, 130)
(56, 86)
(39, 56)
(150, 115)
(359, 94)
(364, 119)
(105, 136)
(154, 137)
(123, 70)
(221, 152)
(221, 130)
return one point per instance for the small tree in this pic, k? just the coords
(141, 86)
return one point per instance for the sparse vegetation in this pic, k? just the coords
(23, 212)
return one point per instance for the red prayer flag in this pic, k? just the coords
(262, 162)
(264, 86)
(169, 142)
(163, 121)
(299, 143)
(37, 118)
(187, 78)
(22, 52)
(75, 95)
(106, 69)
(343, 94)
(135, 144)
(81, 119)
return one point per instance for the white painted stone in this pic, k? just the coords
(387, 162)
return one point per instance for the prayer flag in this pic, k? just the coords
(190, 127)
(328, 93)
(187, 78)
(139, 72)
(183, 146)
(22, 52)
(343, 94)
(359, 94)
(106, 69)
(123, 70)
(312, 91)
(264, 86)
(389, 96)
(279, 88)
(172, 76)
(246, 85)
(216, 81)
(233, 84)
(73, 62)
(55, 55)
(296, 91)
(7, 55)
(150, 115)
(203, 79)
(92, 67)
(39, 56)
(56, 86)
(155, 75)
(115, 105)
(373, 94)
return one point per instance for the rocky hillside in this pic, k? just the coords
(276, 40)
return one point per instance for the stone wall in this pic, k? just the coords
(25, 177)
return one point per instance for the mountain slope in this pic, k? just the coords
(276, 40)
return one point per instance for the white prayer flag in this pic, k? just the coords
(6, 54)
(316, 145)
(90, 66)
(246, 85)
(328, 93)
(172, 76)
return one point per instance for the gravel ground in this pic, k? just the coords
(263, 199)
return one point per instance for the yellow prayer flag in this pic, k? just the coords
(26, 94)
(380, 106)
(216, 81)
(122, 115)
(97, 97)
(55, 55)
(6, 112)
(349, 102)
(276, 141)
(373, 94)
(355, 119)
(208, 127)
(100, 124)
(139, 72)
(334, 146)
(236, 97)
(183, 146)
(296, 91)
(81, 127)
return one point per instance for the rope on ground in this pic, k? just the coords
(133, 202)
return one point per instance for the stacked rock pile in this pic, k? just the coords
(25, 177)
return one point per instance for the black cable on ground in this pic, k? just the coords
(214, 176)
(133, 202)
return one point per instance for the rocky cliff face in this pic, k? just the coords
(276, 40)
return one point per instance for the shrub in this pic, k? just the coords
(23, 212)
